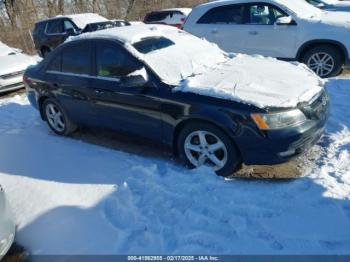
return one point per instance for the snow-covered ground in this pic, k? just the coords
(71, 197)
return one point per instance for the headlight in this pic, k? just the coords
(279, 120)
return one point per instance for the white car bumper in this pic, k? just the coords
(7, 225)
(11, 82)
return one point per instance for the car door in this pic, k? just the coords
(264, 36)
(125, 108)
(223, 25)
(70, 71)
(55, 33)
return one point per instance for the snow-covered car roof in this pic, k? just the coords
(130, 34)
(81, 20)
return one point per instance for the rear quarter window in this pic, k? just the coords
(55, 27)
(158, 16)
(39, 28)
(226, 14)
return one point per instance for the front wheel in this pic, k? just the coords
(57, 119)
(204, 144)
(325, 60)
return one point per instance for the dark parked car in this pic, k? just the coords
(50, 33)
(149, 81)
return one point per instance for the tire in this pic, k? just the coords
(57, 119)
(332, 64)
(192, 151)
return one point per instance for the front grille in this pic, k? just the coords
(318, 107)
(12, 75)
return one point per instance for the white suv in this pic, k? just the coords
(286, 29)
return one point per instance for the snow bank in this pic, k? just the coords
(70, 197)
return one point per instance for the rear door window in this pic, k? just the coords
(55, 27)
(55, 64)
(227, 14)
(76, 59)
(158, 16)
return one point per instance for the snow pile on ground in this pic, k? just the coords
(70, 197)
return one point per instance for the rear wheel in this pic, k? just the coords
(57, 119)
(324, 60)
(204, 144)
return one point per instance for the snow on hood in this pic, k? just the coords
(337, 3)
(301, 7)
(263, 82)
(15, 63)
(5, 50)
(339, 19)
(81, 20)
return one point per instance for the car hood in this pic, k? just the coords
(339, 19)
(15, 63)
(255, 80)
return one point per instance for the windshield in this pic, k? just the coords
(5, 50)
(301, 8)
(178, 55)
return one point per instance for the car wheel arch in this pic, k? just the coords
(181, 125)
(41, 101)
(314, 43)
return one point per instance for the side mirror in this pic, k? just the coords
(284, 20)
(138, 78)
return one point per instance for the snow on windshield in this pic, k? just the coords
(301, 7)
(5, 50)
(178, 61)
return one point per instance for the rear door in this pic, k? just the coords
(130, 109)
(223, 26)
(71, 72)
(55, 33)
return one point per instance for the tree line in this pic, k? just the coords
(17, 17)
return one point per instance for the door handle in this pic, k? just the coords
(253, 33)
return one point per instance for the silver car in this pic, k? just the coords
(13, 63)
(7, 225)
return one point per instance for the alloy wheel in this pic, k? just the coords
(321, 63)
(55, 117)
(203, 148)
